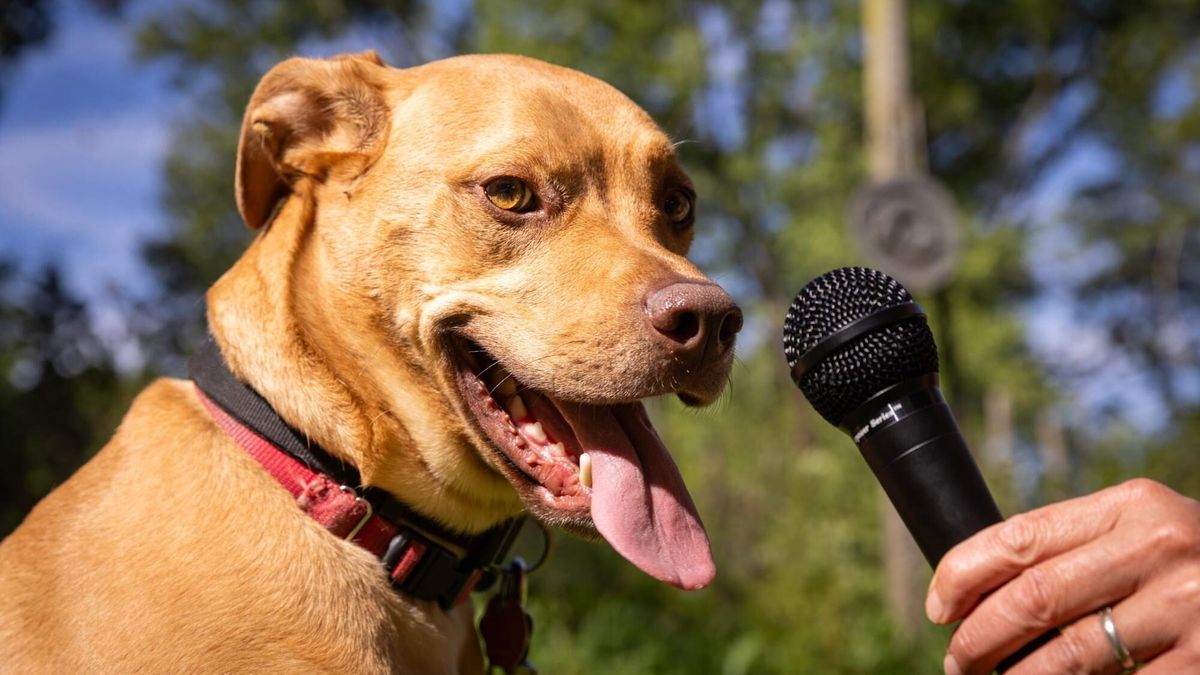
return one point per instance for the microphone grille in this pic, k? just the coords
(888, 355)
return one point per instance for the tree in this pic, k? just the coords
(23, 24)
(26, 24)
(60, 396)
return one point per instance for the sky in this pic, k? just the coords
(84, 129)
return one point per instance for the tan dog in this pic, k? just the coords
(431, 237)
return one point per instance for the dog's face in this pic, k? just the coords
(505, 242)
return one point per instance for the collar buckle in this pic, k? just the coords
(422, 568)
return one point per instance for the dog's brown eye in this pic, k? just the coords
(678, 206)
(509, 194)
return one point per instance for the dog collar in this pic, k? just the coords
(421, 558)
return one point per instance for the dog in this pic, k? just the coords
(467, 275)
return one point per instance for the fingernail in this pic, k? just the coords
(934, 608)
(951, 666)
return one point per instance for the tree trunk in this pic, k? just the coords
(893, 152)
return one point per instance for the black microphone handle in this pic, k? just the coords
(928, 473)
(924, 466)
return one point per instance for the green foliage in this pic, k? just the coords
(60, 397)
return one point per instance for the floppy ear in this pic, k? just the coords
(321, 119)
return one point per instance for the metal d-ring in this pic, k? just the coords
(366, 516)
(547, 546)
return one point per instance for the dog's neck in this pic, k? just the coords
(274, 321)
(250, 315)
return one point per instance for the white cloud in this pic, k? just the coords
(64, 179)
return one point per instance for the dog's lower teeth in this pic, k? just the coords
(585, 470)
(557, 450)
(534, 432)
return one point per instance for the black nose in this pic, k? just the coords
(698, 320)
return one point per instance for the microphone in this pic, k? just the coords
(860, 349)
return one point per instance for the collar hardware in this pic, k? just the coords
(370, 511)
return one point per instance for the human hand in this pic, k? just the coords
(1134, 547)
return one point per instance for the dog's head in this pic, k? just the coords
(493, 259)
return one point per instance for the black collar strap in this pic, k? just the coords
(431, 569)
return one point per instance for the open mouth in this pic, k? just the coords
(580, 466)
(530, 433)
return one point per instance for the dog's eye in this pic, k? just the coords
(678, 206)
(509, 194)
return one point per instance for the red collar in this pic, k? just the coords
(418, 562)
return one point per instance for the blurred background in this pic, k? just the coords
(1054, 147)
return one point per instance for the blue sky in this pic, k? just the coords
(83, 131)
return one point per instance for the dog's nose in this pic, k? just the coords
(697, 319)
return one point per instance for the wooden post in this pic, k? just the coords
(893, 151)
(999, 438)
(892, 114)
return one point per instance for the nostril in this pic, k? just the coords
(731, 324)
(684, 326)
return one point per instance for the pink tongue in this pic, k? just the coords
(639, 501)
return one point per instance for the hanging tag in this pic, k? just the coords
(506, 627)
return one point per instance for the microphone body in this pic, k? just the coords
(916, 451)
(861, 350)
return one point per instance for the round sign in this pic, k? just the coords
(908, 228)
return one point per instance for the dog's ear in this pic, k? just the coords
(320, 119)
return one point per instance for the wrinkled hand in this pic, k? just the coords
(1134, 547)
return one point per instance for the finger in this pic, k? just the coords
(1051, 594)
(997, 554)
(1149, 623)
(1178, 660)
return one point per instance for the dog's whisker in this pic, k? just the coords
(366, 362)
(383, 412)
(506, 378)
(493, 365)
(521, 386)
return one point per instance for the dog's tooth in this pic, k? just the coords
(585, 470)
(557, 450)
(534, 432)
(516, 408)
